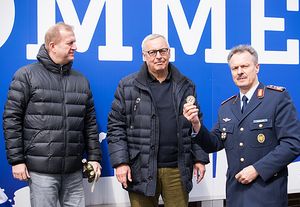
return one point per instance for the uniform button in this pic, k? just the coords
(275, 175)
(152, 147)
(241, 129)
(242, 159)
(260, 125)
(224, 129)
(150, 178)
(131, 127)
(241, 144)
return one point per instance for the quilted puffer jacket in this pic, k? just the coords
(133, 131)
(49, 118)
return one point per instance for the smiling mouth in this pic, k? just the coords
(159, 63)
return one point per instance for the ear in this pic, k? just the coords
(51, 46)
(144, 58)
(257, 68)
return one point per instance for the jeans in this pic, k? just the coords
(169, 186)
(47, 190)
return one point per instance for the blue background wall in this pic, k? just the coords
(212, 78)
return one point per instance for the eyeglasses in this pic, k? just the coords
(162, 52)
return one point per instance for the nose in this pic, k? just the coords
(158, 55)
(74, 46)
(240, 70)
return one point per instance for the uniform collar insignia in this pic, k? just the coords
(260, 93)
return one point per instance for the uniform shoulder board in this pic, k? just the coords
(276, 88)
(228, 99)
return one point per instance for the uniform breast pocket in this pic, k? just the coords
(262, 134)
(226, 132)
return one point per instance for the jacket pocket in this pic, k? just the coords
(226, 132)
(30, 144)
(135, 165)
(262, 134)
(134, 109)
(261, 124)
(81, 145)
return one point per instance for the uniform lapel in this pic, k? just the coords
(255, 101)
(236, 107)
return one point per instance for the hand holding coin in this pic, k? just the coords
(190, 99)
(190, 112)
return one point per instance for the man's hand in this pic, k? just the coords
(247, 175)
(97, 169)
(199, 171)
(20, 172)
(190, 112)
(123, 174)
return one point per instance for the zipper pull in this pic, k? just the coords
(137, 101)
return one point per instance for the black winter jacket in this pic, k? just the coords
(133, 131)
(49, 118)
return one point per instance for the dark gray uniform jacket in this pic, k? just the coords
(266, 135)
(49, 118)
(133, 131)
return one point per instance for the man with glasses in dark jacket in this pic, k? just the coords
(148, 138)
(49, 122)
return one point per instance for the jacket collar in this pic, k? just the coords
(253, 103)
(44, 58)
(142, 75)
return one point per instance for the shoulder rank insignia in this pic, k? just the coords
(228, 99)
(276, 88)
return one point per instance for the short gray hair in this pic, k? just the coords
(152, 37)
(241, 49)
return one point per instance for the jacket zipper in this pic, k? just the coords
(156, 132)
(63, 116)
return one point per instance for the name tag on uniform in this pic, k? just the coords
(260, 121)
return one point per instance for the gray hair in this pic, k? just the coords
(152, 37)
(241, 49)
(53, 33)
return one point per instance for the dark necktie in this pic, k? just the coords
(244, 99)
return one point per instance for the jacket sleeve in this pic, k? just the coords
(116, 129)
(199, 154)
(91, 131)
(209, 141)
(13, 116)
(287, 129)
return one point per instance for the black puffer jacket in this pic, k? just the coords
(133, 131)
(49, 118)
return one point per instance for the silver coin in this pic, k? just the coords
(190, 99)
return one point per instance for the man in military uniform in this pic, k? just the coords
(260, 132)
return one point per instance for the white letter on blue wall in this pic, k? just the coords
(114, 50)
(45, 19)
(218, 52)
(190, 36)
(7, 19)
(259, 25)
